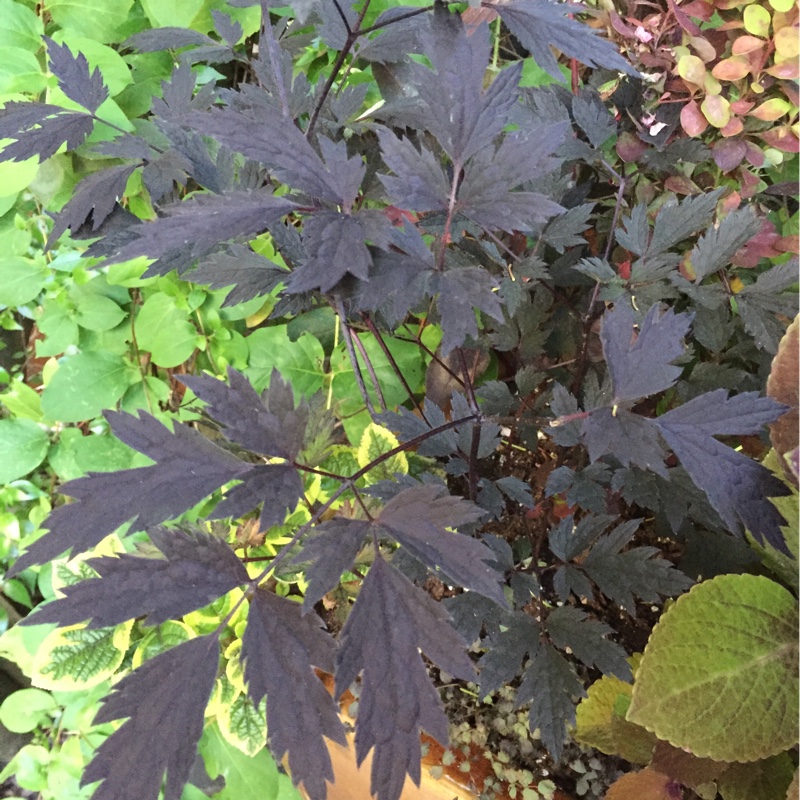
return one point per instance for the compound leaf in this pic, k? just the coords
(753, 690)
(642, 367)
(165, 714)
(280, 645)
(540, 24)
(38, 130)
(418, 519)
(331, 551)
(74, 79)
(391, 621)
(188, 467)
(268, 424)
(519, 636)
(676, 222)
(196, 570)
(716, 247)
(549, 685)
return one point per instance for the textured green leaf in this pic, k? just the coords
(98, 313)
(23, 445)
(299, 363)
(20, 71)
(76, 658)
(21, 279)
(376, 441)
(244, 725)
(719, 674)
(165, 330)
(84, 385)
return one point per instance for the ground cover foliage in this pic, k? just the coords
(364, 347)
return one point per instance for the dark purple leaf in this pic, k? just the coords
(160, 174)
(762, 302)
(335, 246)
(249, 274)
(94, 196)
(391, 621)
(74, 78)
(50, 132)
(420, 183)
(502, 662)
(737, 487)
(564, 230)
(277, 486)
(630, 438)
(418, 519)
(169, 38)
(198, 569)
(540, 24)
(194, 227)
(675, 223)
(642, 366)
(268, 424)
(279, 648)
(188, 468)
(331, 551)
(716, 247)
(471, 612)
(230, 30)
(549, 685)
(458, 292)
(485, 195)
(178, 97)
(397, 40)
(620, 575)
(165, 701)
(573, 629)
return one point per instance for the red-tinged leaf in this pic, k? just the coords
(165, 701)
(742, 45)
(73, 75)
(279, 648)
(716, 109)
(330, 551)
(268, 423)
(782, 138)
(788, 70)
(731, 69)
(734, 127)
(771, 109)
(728, 154)
(418, 519)
(642, 366)
(391, 621)
(94, 196)
(188, 468)
(646, 784)
(630, 147)
(693, 120)
(196, 570)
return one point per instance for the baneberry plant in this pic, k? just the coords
(453, 217)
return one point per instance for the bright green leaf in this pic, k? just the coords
(178, 13)
(84, 385)
(757, 20)
(244, 725)
(719, 674)
(95, 19)
(16, 175)
(21, 280)
(95, 312)
(22, 401)
(375, 441)
(298, 362)
(165, 330)
(24, 710)
(20, 28)
(23, 445)
(20, 71)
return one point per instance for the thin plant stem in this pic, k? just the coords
(390, 358)
(348, 341)
(371, 370)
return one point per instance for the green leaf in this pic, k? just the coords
(22, 401)
(178, 13)
(84, 385)
(22, 711)
(244, 725)
(719, 674)
(20, 28)
(245, 776)
(96, 312)
(95, 19)
(763, 780)
(76, 658)
(298, 362)
(165, 330)
(20, 71)
(21, 280)
(14, 175)
(23, 445)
